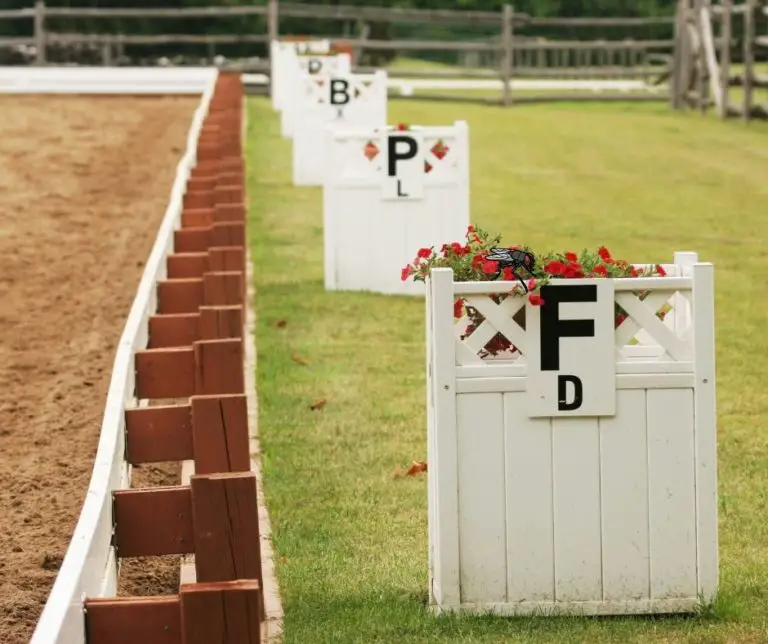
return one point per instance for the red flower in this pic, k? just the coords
(571, 256)
(604, 253)
(633, 271)
(535, 299)
(600, 270)
(507, 272)
(470, 228)
(532, 284)
(405, 273)
(660, 270)
(555, 268)
(620, 318)
(458, 308)
(573, 270)
(424, 252)
(477, 260)
(402, 127)
(489, 268)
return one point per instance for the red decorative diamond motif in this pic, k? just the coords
(427, 167)
(440, 149)
(371, 151)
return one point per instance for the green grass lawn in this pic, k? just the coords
(350, 538)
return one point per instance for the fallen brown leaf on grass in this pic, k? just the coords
(298, 359)
(280, 324)
(318, 405)
(417, 467)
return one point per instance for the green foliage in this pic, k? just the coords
(314, 27)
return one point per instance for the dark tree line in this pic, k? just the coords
(314, 27)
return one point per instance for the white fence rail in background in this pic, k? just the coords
(104, 80)
(338, 101)
(294, 66)
(609, 514)
(380, 208)
(89, 567)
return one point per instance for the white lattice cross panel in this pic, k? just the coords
(362, 157)
(296, 67)
(370, 237)
(337, 101)
(658, 326)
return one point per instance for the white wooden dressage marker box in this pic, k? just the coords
(386, 194)
(295, 66)
(344, 101)
(279, 59)
(576, 513)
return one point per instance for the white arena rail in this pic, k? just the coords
(89, 568)
(104, 80)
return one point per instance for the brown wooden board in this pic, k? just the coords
(159, 434)
(153, 521)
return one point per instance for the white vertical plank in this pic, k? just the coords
(705, 429)
(330, 241)
(482, 538)
(445, 437)
(576, 468)
(624, 494)
(432, 465)
(671, 493)
(530, 526)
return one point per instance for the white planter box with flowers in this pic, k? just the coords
(571, 511)
(280, 58)
(386, 191)
(335, 101)
(296, 67)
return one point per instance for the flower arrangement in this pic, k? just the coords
(475, 260)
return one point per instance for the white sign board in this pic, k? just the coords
(296, 66)
(281, 58)
(333, 100)
(404, 176)
(571, 359)
(371, 232)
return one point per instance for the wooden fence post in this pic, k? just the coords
(273, 10)
(675, 80)
(221, 612)
(726, 34)
(507, 43)
(40, 32)
(749, 57)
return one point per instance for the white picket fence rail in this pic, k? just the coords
(595, 515)
(89, 568)
(104, 80)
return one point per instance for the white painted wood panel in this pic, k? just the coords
(624, 493)
(529, 503)
(482, 534)
(368, 239)
(576, 473)
(671, 495)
